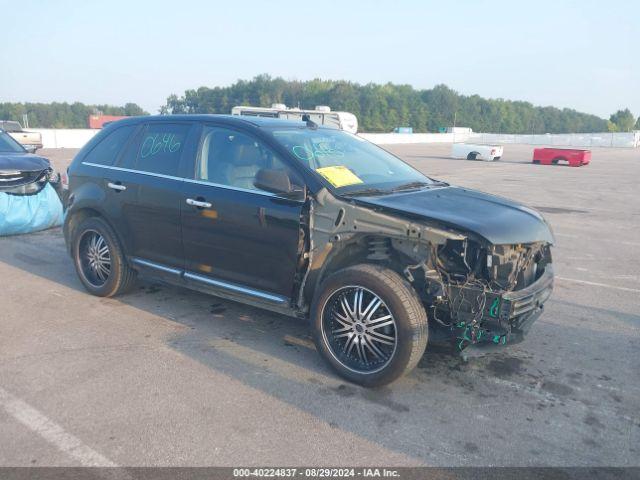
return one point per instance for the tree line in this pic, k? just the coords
(381, 108)
(62, 115)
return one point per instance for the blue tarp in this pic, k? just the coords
(30, 213)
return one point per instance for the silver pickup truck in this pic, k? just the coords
(31, 141)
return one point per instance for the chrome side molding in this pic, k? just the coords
(211, 282)
(232, 287)
(156, 266)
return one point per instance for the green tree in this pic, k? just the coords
(623, 119)
(638, 124)
(62, 115)
(381, 108)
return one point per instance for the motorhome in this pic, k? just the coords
(322, 115)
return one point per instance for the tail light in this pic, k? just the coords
(64, 180)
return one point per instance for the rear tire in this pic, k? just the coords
(99, 259)
(369, 343)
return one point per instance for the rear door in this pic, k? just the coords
(148, 181)
(236, 232)
(105, 180)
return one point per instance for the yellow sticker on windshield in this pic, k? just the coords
(339, 176)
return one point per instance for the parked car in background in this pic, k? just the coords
(21, 173)
(553, 156)
(311, 222)
(29, 190)
(488, 153)
(31, 141)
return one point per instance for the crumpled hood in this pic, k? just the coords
(498, 220)
(23, 162)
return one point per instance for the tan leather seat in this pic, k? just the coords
(244, 165)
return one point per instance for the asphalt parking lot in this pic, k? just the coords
(165, 376)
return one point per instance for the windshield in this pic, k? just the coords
(349, 163)
(8, 144)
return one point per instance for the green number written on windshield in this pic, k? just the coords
(303, 152)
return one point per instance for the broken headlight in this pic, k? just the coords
(24, 183)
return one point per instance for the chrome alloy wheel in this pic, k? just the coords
(95, 258)
(359, 329)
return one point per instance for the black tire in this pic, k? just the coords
(399, 300)
(120, 278)
(472, 156)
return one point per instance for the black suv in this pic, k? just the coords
(311, 222)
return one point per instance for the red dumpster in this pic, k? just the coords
(552, 156)
(98, 121)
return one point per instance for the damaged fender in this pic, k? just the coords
(475, 292)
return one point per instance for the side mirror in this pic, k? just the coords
(278, 182)
(30, 148)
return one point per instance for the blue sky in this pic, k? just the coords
(578, 54)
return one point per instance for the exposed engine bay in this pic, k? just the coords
(475, 292)
(467, 294)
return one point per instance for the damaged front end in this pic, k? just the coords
(29, 201)
(477, 294)
(25, 182)
(488, 295)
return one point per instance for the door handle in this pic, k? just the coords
(116, 186)
(198, 203)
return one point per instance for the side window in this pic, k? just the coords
(160, 147)
(106, 152)
(128, 157)
(228, 157)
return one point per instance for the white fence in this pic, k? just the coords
(588, 140)
(64, 137)
(606, 139)
(393, 138)
(76, 138)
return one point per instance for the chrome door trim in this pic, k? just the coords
(232, 287)
(278, 299)
(129, 170)
(157, 266)
(187, 180)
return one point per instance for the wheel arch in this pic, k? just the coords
(358, 250)
(75, 218)
(558, 159)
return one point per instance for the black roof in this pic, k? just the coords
(260, 122)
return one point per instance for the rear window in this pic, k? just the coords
(106, 152)
(160, 148)
(10, 126)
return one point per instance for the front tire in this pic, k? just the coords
(99, 259)
(369, 324)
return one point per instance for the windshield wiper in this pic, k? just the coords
(366, 191)
(411, 186)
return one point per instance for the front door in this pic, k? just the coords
(232, 231)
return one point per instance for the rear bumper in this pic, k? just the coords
(507, 316)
